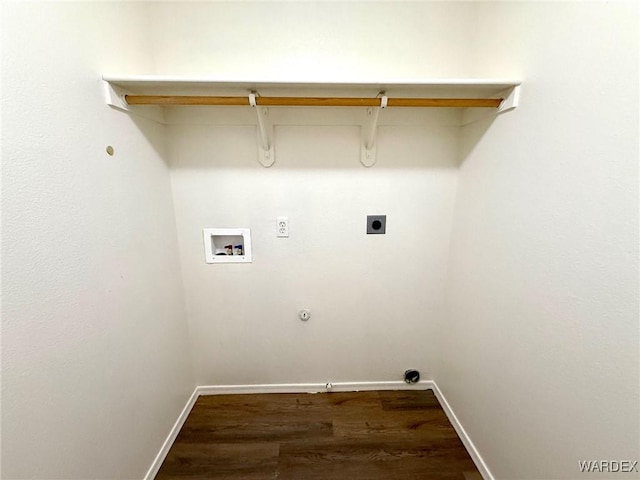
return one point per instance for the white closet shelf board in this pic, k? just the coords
(196, 85)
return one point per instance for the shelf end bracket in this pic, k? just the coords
(115, 97)
(511, 100)
(266, 149)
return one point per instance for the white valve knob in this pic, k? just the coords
(304, 315)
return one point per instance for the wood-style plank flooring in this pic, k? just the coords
(399, 435)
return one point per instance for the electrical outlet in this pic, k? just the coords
(376, 224)
(282, 226)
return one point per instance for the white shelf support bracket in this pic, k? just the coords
(115, 97)
(266, 150)
(511, 100)
(368, 149)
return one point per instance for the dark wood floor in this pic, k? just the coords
(401, 435)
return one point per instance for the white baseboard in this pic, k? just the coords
(318, 388)
(462, 433)
(173, 433)
(311, 387)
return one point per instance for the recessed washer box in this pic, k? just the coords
(227, 245)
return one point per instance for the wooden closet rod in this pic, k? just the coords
(312, 101)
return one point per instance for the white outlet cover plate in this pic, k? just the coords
(282, 226)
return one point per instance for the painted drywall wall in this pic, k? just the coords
(95, 360)
(541, 342)
(312, 41)
(374, 299)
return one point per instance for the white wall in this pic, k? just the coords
(374, 299)
(312, 40)
(541, 341)
(95, 360)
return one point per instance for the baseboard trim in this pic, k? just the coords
(317, 388)
(311, 387)
(173, 433)
(464, 436)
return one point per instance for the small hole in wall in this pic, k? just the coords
(110, 150)
(376, 224)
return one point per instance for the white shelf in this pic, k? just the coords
(118, 87)
(192, 85)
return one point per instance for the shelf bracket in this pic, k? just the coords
(511, 100)
(266, 150)
(368, 148)
(116, 98)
